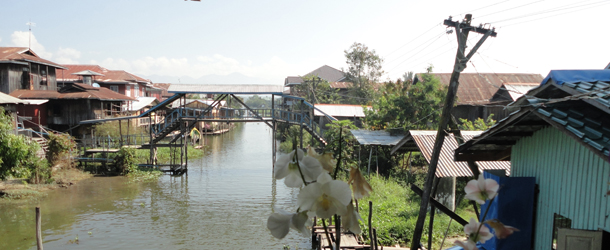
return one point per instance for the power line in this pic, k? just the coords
(422, 44)
(417, 37)
(420, 50)
(510, 9)
(560, 8)
(483, 7)
(556, 14)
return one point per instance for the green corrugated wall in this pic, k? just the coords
(573, 182)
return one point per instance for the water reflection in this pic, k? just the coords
(223, 203)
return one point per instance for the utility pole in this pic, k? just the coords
(461, 30)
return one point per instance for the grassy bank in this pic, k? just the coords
(395, 211)
(19, 190)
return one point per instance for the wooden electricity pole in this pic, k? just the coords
(461, 30)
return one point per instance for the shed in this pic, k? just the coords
(559, 135)
(354, 113)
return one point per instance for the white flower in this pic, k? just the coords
(360, 186)
(326, 160)
(279, 223)
(481, 190)
(471, 230)
(325, 197)
(467, 245)
(286, 167)
(350, 220)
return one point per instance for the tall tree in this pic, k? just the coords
(317, 90)
(408, 105)
(364, 70)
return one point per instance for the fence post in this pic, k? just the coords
(38, 229)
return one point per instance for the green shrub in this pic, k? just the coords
(59, 148)
(125, 160)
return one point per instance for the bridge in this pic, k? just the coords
(175, 123)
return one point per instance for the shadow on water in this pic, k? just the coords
(222, 203)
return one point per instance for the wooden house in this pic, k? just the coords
(336, 78)
(482, 94)
(21, 68)
(560, 135)
(76, 102)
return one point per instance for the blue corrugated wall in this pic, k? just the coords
(573, 182)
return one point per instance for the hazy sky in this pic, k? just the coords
(271, 39)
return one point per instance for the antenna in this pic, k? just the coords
(31, 24)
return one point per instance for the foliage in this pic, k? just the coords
(395, 211)
(125, 160)
(59, 148)
(364, 70)
(478, 124)
(402, 104)
(18, 154)
(317, 90)
(346, 137)
(257, 102)
(114, 129)
(234, 104)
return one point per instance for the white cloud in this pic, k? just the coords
(67, 56)
(22, 39)
(274, 70)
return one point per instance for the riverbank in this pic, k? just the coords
(19, 190)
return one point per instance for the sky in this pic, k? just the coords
(264, 41)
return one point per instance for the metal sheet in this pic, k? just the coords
(237, 89)
(340, 110)
(447, 167)
(378, 137)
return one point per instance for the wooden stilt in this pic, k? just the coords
(38, 229)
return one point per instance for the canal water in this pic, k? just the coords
(222, 203)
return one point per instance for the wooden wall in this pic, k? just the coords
(11, 76)
(573, 182)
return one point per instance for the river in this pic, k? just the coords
(222, 203)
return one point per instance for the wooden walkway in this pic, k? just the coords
(348, 240)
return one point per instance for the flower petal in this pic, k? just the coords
(293, 179)
(298, 222)
(467, 245)
(279, 225)
(281, 165)
(311, 168)
(471, 186)
(308, 196)
(324, 178)
(338, 190)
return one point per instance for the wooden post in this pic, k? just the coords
(337, 232)
(301, 122)
(462, 30)
(121, 134)
(151, 142)
(370, 222)
(370, 156)
(375, 239)
(38, 229)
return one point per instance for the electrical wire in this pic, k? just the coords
(509, 9)
(422, 44)
(560, 8)
(420, 50)
(483, 7)
(417, 37)
(590, 7)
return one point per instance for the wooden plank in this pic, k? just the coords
(441, 207)
(101, 150)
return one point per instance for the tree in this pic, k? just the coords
(256, 102)
(402, 104)
(364, 70)
(317, 90)
(478, 124)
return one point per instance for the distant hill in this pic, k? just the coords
(233, 78)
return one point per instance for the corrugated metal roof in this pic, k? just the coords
(241, 89)
(447, 167)
(106, 75)
(36, 101)
(72, 91)
(142, 102)
(516, 90)
(176, 103)
(480, 88)
(24, 54)
(340, 110)
(7, 99)
(341, 85)
(328, 73)
(377, 137)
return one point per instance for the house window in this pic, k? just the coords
(25, 78)
(114, 88)
(128, 90)
(43, 77)
(136, 91)
(87, 80)
(559, 222)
